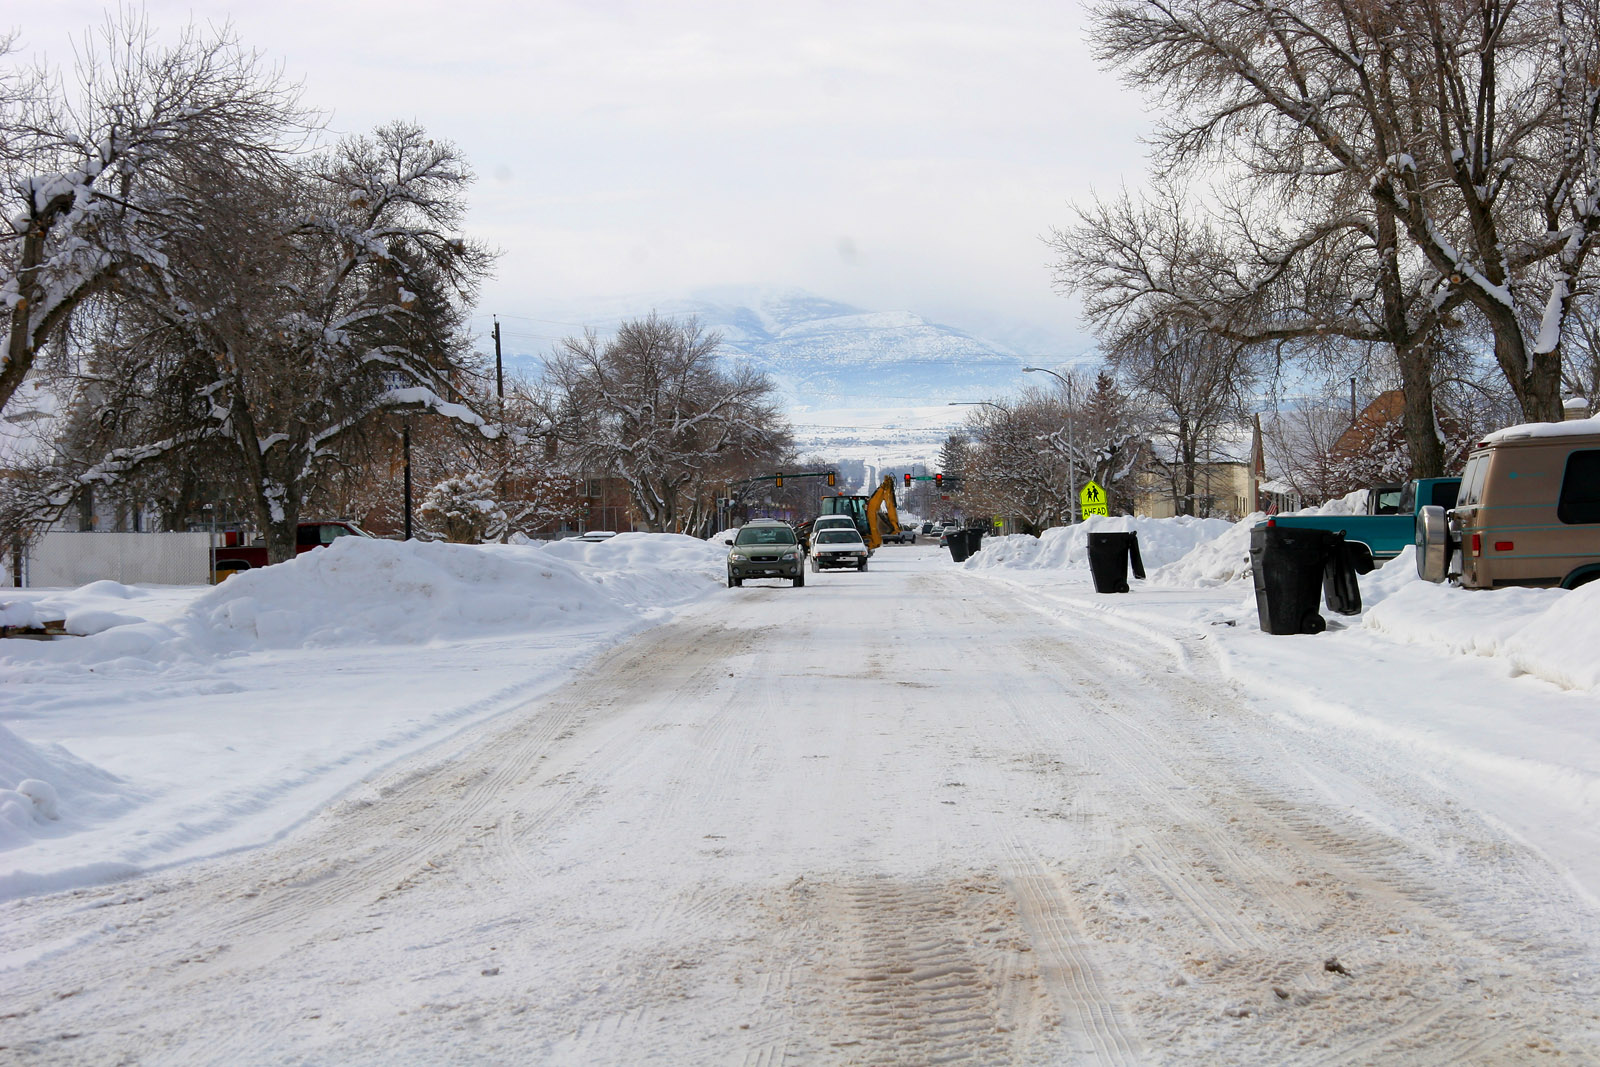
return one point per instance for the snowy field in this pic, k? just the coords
(581, 803)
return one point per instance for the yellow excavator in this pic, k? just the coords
(874, 515)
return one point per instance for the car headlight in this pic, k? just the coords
(737, 555)
(791, 555)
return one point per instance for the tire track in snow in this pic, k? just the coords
(1301, 877)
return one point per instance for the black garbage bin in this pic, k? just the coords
(956, 541)
(974, 541)
(1289, 567)
(1109, 555)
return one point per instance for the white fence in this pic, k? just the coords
(72, 559)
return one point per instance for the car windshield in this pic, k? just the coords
(765, 535)
(838, 537)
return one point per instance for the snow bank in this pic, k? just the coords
(1227, 558)
(191, 720)
(46, 791)
(1161, 542)
(359, 591)
(1547, 633)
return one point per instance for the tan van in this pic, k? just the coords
(1528, 512)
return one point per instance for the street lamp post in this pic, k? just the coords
(1072, 466)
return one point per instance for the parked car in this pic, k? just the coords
(1528, 512)
(838, 548)
(828, 522)
(765, 548)
(902, 535)
(232, 557)
(1389, 524)
(929, 527)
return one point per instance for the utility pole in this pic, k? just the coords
(1072, 465)
(499, 369)
(405, 444)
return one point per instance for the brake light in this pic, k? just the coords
(1504, 546)
(1477, 544)
(1272, 522)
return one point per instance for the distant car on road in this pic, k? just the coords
(765, 548)
(902, 535)
(838, 548)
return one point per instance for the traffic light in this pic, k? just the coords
(938, 481)
(908, 481)
(780, 481)
(830, 477)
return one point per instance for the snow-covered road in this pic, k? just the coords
(909, 816)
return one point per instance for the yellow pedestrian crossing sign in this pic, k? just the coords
(1092, 499)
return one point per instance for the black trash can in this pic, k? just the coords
(1288, 566)
(1109, 555)
(956, 541)
(974, 541)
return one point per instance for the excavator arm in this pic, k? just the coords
(876, 523)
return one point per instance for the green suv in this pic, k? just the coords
(765, 548)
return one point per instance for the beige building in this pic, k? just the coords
(1221, 490)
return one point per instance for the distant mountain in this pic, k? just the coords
(828, 355)
(875, 384)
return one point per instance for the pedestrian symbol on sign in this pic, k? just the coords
(1093, 499)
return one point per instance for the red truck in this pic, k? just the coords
(232, 557)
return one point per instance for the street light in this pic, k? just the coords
(1072, 467)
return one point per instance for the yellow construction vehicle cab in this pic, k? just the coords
(872, 514)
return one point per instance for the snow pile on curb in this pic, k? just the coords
(1161, 542)
(358, 591)
(1547, 633)
(45, 791)
(1227, 558)
(191, 720)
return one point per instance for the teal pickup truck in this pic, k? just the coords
(1391, 524)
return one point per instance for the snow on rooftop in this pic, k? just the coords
(1531, 430)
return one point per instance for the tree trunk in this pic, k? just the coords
(1417, 419)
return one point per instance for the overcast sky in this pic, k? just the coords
(891, 155)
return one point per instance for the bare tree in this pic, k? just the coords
(1194, 385)
(297, 309)
(1471, 127)
(1011, 468)
(653, 407)
(98, 180)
